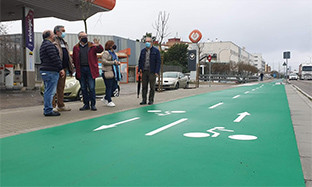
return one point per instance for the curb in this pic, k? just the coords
(303, 92)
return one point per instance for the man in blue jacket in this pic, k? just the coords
(50, 70)
(149, 65)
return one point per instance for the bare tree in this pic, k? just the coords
(200, 47)
(161, 28)
(85, 9)
(3, 29)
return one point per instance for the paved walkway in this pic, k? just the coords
(26, 119)
(301, 111)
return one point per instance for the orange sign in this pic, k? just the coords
(195, 36)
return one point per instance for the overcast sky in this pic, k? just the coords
(269, 27)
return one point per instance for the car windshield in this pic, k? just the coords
(170, 75)
(293, 74)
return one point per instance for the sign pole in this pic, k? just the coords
(197, 69)
(209, 60)
(195, 36)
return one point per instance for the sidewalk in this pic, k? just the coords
(301, 110)
(26, 119)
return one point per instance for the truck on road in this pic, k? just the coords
(305, 71)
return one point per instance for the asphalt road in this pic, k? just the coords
(305, 85)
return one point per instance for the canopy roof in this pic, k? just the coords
(70, 10)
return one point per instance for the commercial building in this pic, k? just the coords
(27, 10)
(226, 52)
(12, 51)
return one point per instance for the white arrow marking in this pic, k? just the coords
(115, 124)
(236, 96)
(241, 116)
(216, 105)
(165, 127)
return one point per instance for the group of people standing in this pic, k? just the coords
(57, 63)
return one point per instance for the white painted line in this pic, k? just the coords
(154, 111)
(196, 135)
(178, 112)
(236, 96)
(165, 127)
(247, 92)
(115, 124)
(253, 89)
(243, 137)
(165, 114)
(241, 116)
(216, 105)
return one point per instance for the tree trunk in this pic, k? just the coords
(85, 25)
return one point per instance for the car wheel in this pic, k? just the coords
(177, 86)
(79, 95)
(187, 85)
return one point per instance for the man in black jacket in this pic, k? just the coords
(149, 65)
(51, 68)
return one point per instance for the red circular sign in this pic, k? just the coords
(195, 36)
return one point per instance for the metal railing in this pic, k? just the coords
(228, 78)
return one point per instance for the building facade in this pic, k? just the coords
(226, 52)
(259, 62)
(12, 52)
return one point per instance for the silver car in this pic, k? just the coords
(174, 80)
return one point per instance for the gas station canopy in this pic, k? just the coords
(64, 9)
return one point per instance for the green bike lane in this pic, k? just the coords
(236, 137)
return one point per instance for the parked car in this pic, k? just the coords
(174, 80)
(293, 76)
(72, 88)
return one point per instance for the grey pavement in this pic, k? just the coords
(26, 119)
(301, 115)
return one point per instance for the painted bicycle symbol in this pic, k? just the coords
(216, 134)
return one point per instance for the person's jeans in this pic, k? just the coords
(150, 78)
(109, 88)
(87, 84)
(50, 79)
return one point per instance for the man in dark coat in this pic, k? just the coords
(149, 66)
(50, 70)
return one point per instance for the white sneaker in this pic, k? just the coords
(104, 101)
(111, 104)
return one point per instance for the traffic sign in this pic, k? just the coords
(195, 36)
(209, 58)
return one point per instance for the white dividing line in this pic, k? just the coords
(178, 112)
(235, 96)
(154, 111)
(115, 124)
(216, 105)
(247, 92)
(165, 127)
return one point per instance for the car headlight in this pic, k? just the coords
(70, 84)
